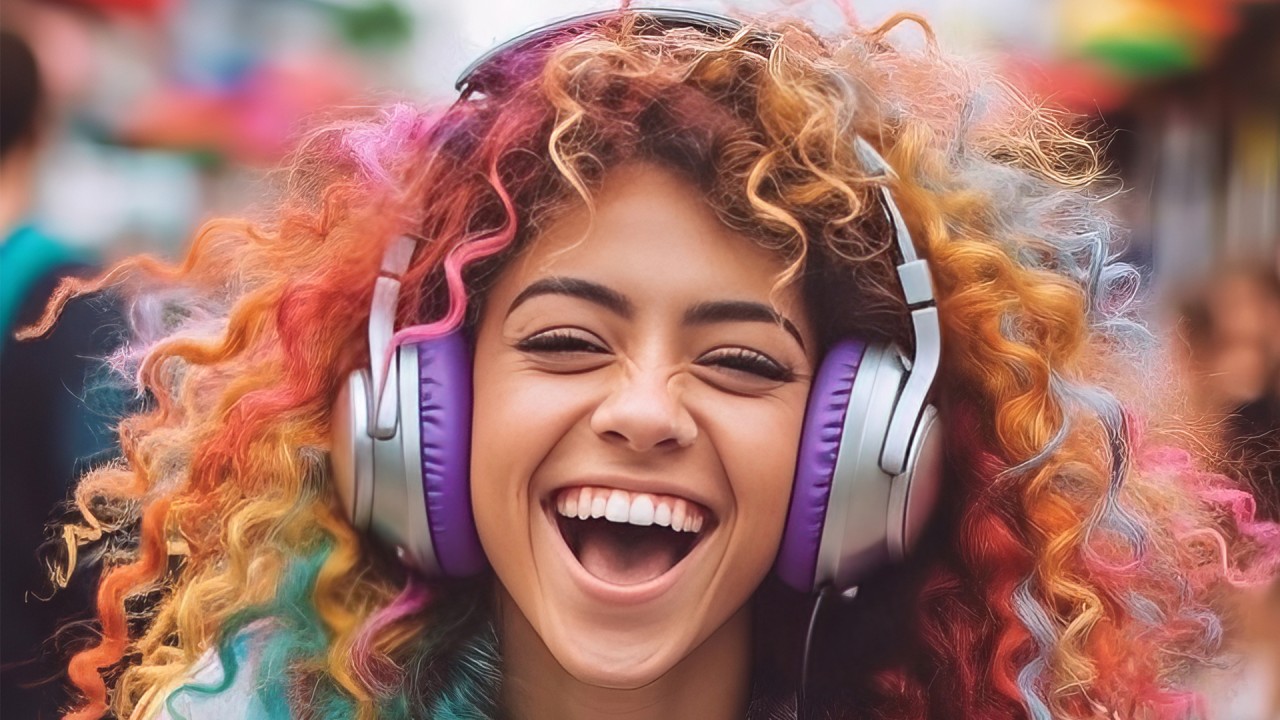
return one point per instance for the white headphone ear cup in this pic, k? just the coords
(816, 457)
(399, 516)
(915, 492)
(380, 480)
(874, 518)
(351, 450)
(854, 533)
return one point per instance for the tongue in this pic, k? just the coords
(627, 554)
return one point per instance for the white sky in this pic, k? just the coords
(455, 32)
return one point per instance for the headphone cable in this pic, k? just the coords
(803, 711)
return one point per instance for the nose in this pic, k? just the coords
(645, 411)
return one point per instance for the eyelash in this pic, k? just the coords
(748, 361)
(734, 359)
(558, 341)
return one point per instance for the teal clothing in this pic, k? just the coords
(26, 257)
(48, 434)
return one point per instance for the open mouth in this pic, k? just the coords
(625, 538)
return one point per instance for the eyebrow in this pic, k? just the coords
(704, 313)
(608, 298)
(716, 311)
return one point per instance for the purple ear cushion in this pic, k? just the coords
(816, 463)
(444, 371)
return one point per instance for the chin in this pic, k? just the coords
(611, 665)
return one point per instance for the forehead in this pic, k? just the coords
(651, 231)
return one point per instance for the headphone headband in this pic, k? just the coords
(474, 76)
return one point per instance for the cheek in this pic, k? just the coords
(758, 447)
(518, 419)
(500, 458)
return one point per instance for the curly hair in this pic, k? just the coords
(1081, 551)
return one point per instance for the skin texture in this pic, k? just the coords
(646, 401)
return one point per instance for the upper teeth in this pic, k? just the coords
(621, 506)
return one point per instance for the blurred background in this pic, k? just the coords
(129, 122)
(160, 112)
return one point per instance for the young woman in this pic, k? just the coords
(654, 279)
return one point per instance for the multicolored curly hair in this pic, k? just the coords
(1083, 553)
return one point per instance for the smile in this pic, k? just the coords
(626, 539)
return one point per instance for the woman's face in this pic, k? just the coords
(639, 394)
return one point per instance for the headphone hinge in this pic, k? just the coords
(917, 283)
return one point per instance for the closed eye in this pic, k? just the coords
(751, 362)
(561, 340)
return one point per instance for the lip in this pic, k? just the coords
(609, 593)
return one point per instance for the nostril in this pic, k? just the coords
(645, 416)
(665, 444)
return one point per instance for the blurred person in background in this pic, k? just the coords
(1231, 326)
(46, 429)
(1231, 329)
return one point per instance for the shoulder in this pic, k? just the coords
(204, 693)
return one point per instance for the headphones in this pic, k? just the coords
(868, 470)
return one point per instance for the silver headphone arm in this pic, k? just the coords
(917, 288)
(915, 392)
(382, 317)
